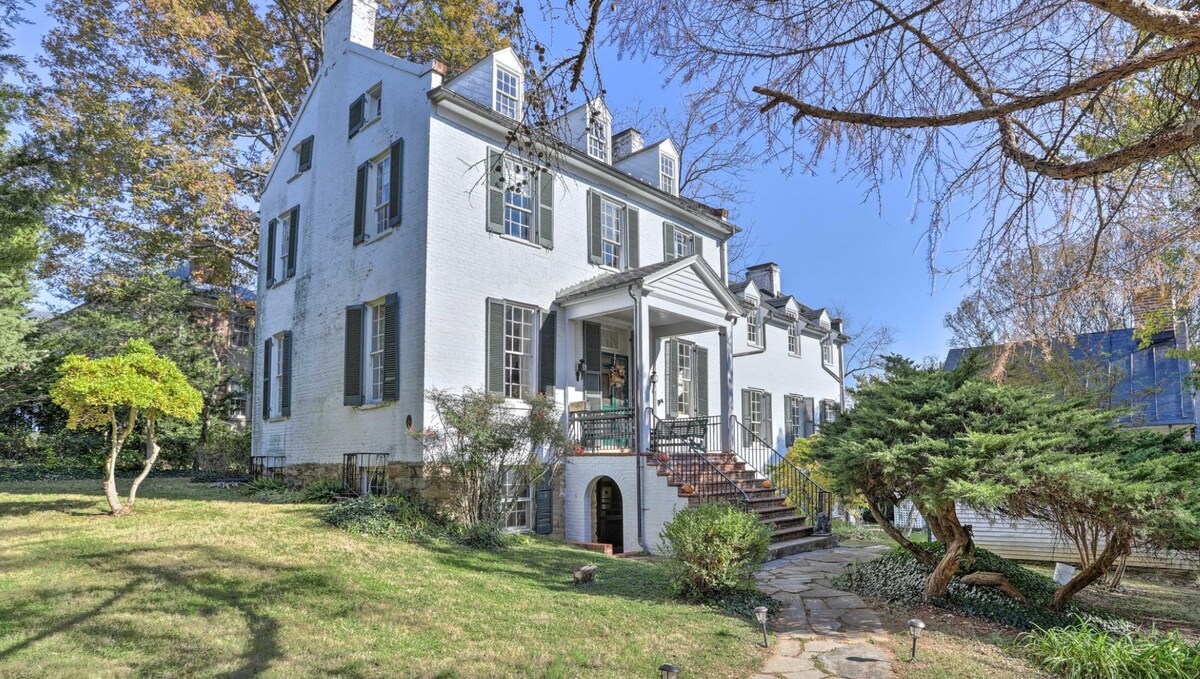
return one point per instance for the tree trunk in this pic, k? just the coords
(994, 580)
(151, 456)
(1117, 546)
(889, 528)
(959, 544)
(117, 438)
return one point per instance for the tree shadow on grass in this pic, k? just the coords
(186, 580)
(65, 506)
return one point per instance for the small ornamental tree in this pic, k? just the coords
(487, 452)
(114, 393)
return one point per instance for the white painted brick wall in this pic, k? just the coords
(661, 500)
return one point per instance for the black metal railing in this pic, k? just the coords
(679, 447)
(266, 467)
(364, 474)
(789, 481)
(603, 430)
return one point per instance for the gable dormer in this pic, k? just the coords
(656, 164)
(497, 82)
(589, 128)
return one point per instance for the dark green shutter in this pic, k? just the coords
(809, 417)
(360, 204)
(747, 425)
(594, 227)
(391, 347)
(594, 361)
(544, 503)
(768, 426)
(396, 181)
(671, 379)
(701, 375)
(285, 387)
(495, 194)
(352, 374)
(546, 209)
(272, 227)
(357, 114)
(293, 237)
(697, 244)
(668, 241)
(631, 228)
(789, 421)
(495, 346)
(546, 353)
(306, 148)
(266, 389)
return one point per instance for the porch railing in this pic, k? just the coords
(679, 447)
(364, 474)
(603, 430)
(266, 467)
(788, 480)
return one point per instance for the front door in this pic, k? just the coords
(610, 525)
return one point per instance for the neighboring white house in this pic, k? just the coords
(404, 248)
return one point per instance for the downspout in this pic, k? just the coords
(638, 409)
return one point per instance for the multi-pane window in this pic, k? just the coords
(284, 229)
(508, 93)
(516, 496)
(597, 136)
(795, 419)
(684, 406)
(829, 411)
(237, 407)
(752, 327)
(685, 243)
(518, 351)
(793, 339)
(612, 227)
(518, 200)
(383, 191)
(827, 351)
(376, 329)
(277, 388)
(667, 173)
(754, 412)
(239, 331)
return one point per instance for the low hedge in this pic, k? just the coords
(1084, 651)
(899, 577)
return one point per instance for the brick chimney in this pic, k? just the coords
(627, 143)
(1152, 300)
(348, 21)
(766, 277)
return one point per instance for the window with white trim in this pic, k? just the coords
(375, 319)
(507, 99)
(795, 418)
(612, 231)
(685, 243)
(518, 199)
(373, 107)
(277, 380)
(597, 136)
(793, 337)
(237, 406)
(284, 230)
(667, 173)
(754, 414)
(753, 328)
(827, 351)
(381, 168)
(518, 351)
(240, 333)
(686, 378)
(829, 411)
(517, 496)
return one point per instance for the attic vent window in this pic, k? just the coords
(667, 174)
(508, 93)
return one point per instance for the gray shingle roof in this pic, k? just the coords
(612, 280)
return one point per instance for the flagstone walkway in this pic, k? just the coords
(823, 632)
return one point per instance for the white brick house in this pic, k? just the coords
(396, 258)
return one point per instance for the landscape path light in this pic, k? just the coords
(668, 671)
(915, 627)
(760, 614)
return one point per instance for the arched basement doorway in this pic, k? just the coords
(610, 521)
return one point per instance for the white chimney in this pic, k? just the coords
(627, 142)
(766, 277)
(349, 21)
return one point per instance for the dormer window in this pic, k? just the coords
(597, 136)
(508, 93)
(668, 174)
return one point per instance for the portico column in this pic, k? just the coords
(726, 389)
(641, 360)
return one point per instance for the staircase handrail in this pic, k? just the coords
(699, 454)
(817, 499)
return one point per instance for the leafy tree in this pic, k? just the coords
(173, 110)
(482, 449)
(112, 392)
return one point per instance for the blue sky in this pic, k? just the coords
(835, 243)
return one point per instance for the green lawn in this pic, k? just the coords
(201, 583)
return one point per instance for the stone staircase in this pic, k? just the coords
(791, 533)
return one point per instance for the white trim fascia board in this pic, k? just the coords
(707, 275)
(410, 67)
(286, 147)
(484, 120)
